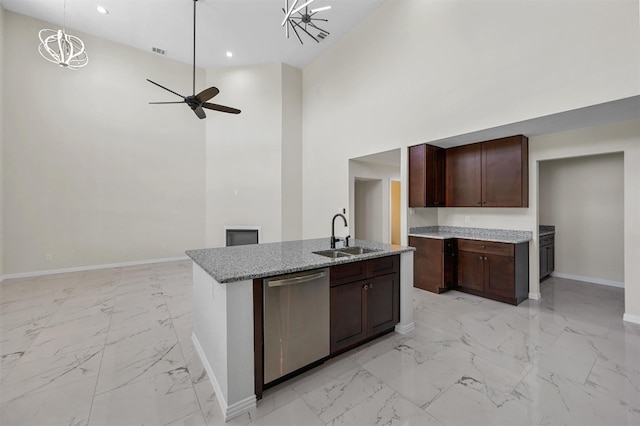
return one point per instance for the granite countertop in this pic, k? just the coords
(546, 230)
(482, 234)
(240, 263)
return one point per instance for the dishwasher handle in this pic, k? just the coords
(296, 280)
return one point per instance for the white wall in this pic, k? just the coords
(369, 211)
(584, 198)
(93, 174)
(247, 181)
(2, 101)
(291, 153)
(418, 71)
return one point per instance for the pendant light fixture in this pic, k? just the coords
(300, 17)
(61, 48)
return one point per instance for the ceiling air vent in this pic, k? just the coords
(159, 51)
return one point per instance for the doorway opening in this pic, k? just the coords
(396, 194)
(370, 196)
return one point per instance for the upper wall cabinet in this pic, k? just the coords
(426, 176)
(488, 174)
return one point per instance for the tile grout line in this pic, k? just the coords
(95, 387)
(186, 363)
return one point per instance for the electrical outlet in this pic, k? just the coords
(48, 257)
(467, 219)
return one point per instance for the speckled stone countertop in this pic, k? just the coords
(546, 230)
(239, 263)
(497, 235)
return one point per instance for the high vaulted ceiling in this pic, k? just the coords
(251, 29)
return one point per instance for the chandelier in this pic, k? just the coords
(61, 48)
(303, 19)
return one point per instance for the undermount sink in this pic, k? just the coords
(345, 252)
(357, 250)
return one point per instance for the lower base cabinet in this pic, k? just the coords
(365, 307)
(498, 271)
(547, 255)
(434, 264)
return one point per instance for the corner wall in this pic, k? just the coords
(253, 159)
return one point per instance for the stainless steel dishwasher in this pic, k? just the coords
(296, 322)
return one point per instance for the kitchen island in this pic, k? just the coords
(224, 308)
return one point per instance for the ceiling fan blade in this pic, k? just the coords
(168, 90)
(200, 112)
(160, 103)
(207, 94)
(220, 108)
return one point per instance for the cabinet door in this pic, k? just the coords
(504, 172)
(417, 176)
(439, 173)
(434, 185)
(499, 275)
(543, 261)
(348, 315)
(427, 263)
(550, 258)
(463, 176)
(382, 303)
(471, 270)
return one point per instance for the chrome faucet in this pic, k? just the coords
(333, 231)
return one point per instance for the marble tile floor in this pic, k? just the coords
(112, 347)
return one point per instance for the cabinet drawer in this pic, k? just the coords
(547, 239)
(383, 266)
(348, 272)
(486, 247)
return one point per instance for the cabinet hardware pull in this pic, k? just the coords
(366, 287)
(370, 285)
(480, 258)
(485, 258)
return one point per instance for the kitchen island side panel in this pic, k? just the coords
(406, 294)
(223, 337)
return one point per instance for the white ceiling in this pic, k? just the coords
(249, 28)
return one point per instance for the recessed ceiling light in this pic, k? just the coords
(229, 54)
(102, 10)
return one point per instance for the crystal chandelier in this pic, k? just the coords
(301, 18)
(61, 48)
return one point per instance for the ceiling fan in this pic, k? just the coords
(197, 102)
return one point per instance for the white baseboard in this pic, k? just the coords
(89, 268)
(405, 328)
(534, 296)
(588, 279)
(634, 319)
(229, 411)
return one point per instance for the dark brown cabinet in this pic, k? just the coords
(498, 271)
(464, 176)
(434, 263)
(426, 176)
(547, 255)
(366, 306)
(488, 174)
